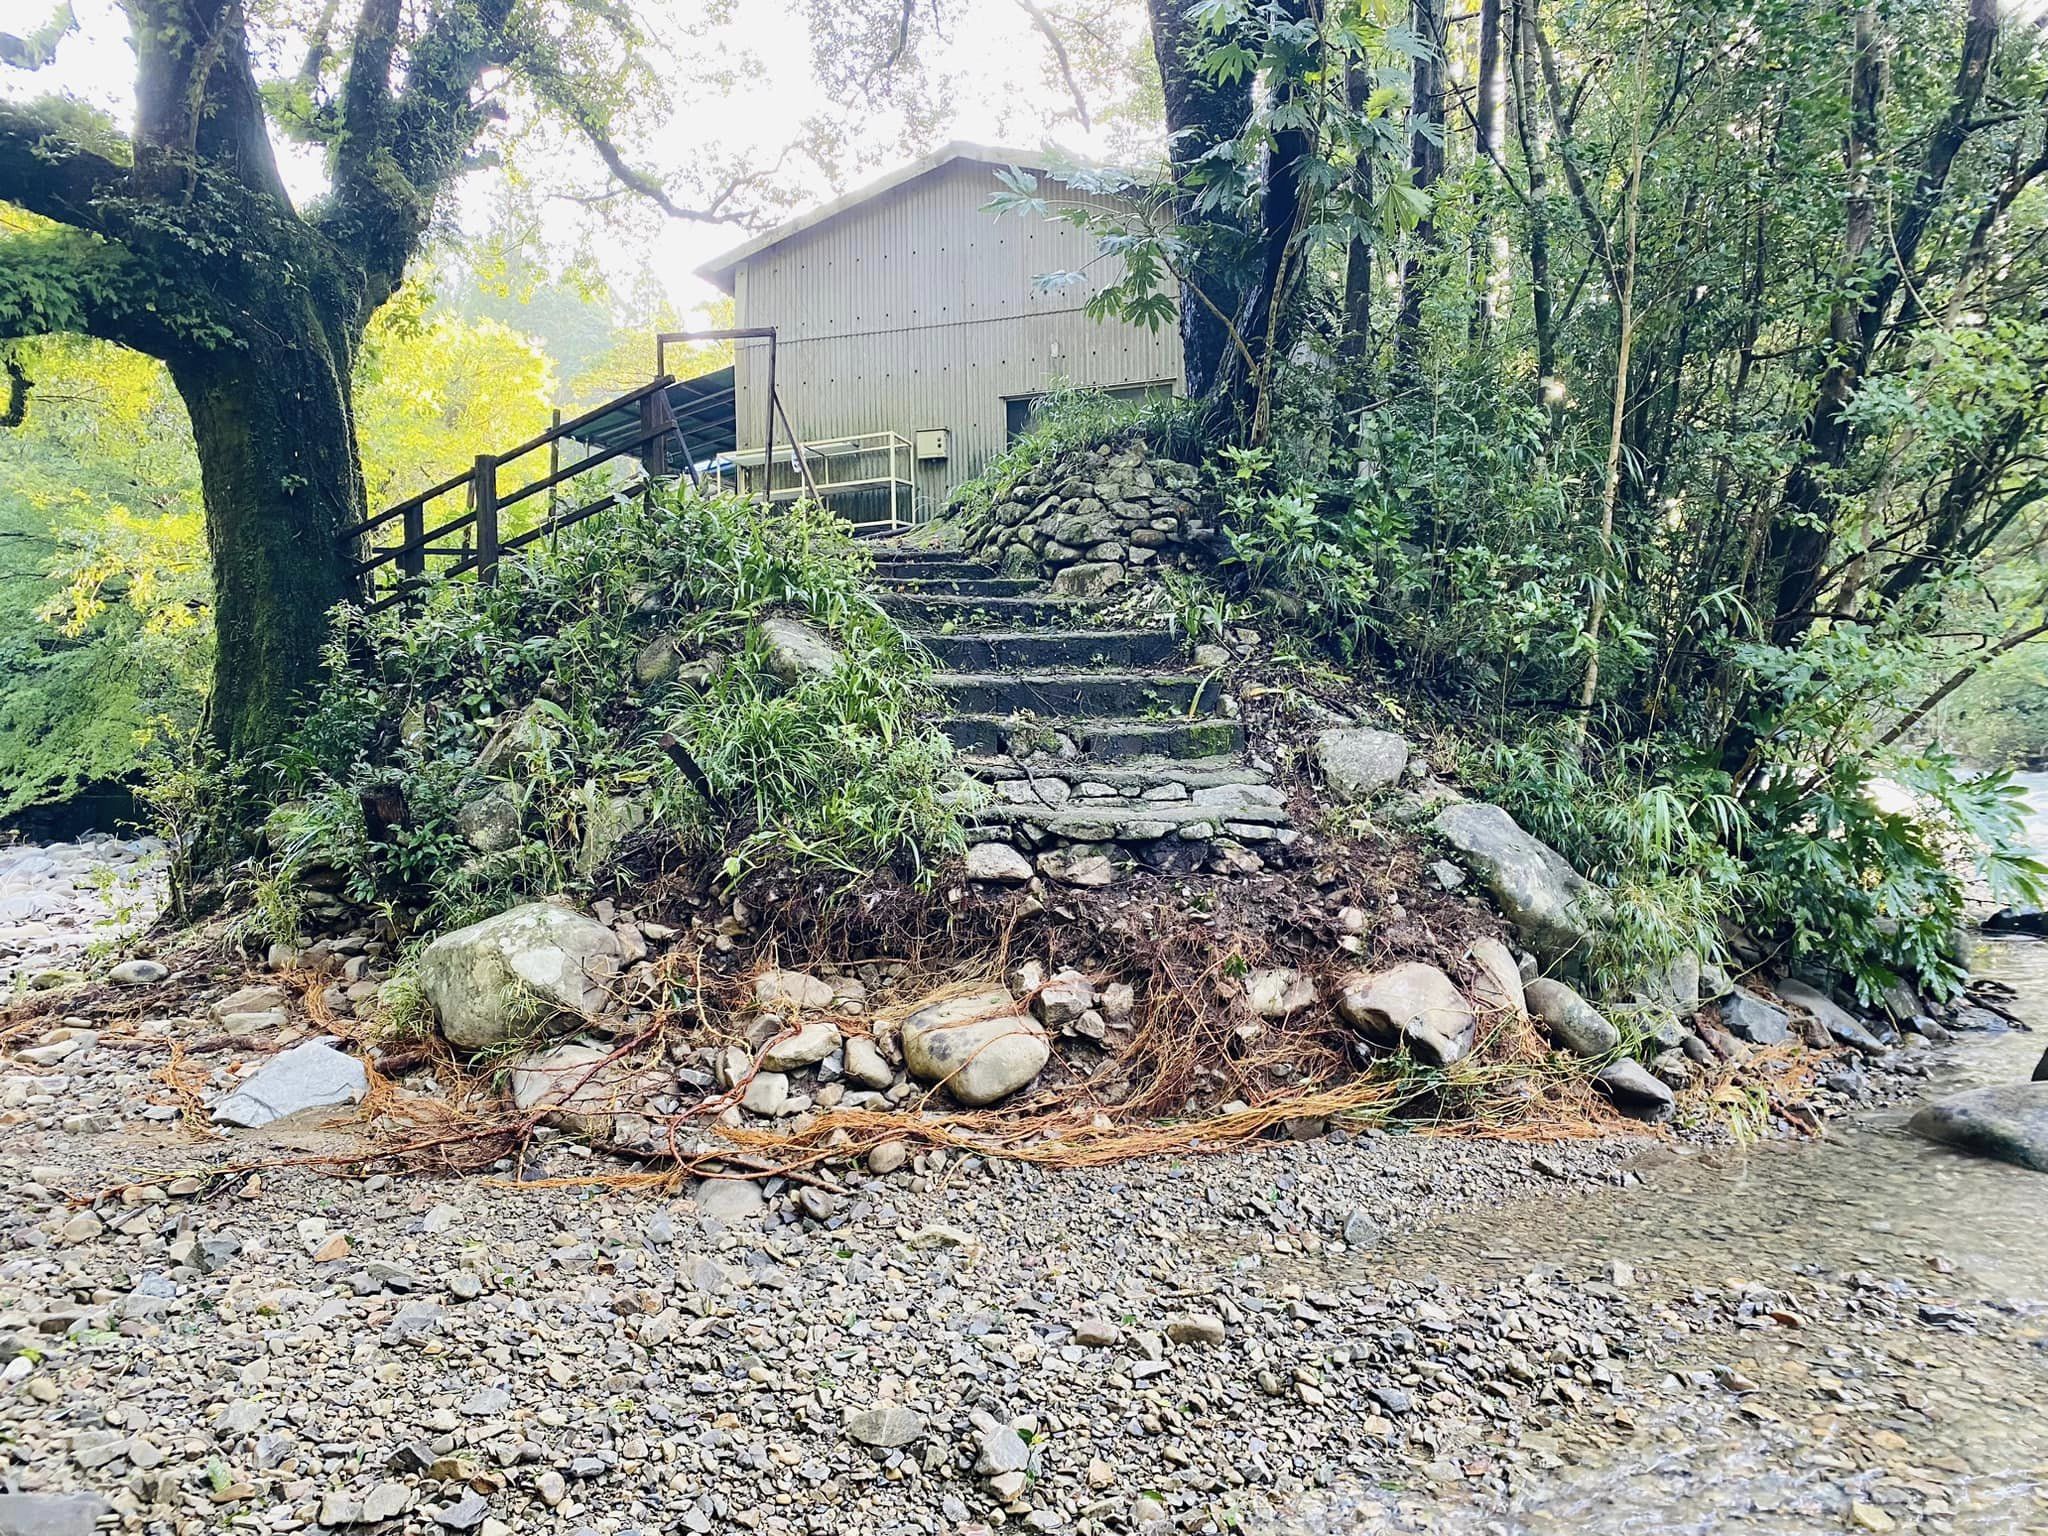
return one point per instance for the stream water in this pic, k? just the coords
(1919, 1404)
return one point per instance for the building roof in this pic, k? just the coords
(720, 269)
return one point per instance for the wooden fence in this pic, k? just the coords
(471, 540)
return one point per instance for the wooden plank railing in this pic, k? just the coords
(480, 524)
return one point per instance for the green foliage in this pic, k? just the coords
(502, 733)
(1666, 847)
(105, 635)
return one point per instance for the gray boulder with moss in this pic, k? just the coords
(793, 651)
(1553, 907)
(514, 973)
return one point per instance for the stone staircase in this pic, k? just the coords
(1099, 744)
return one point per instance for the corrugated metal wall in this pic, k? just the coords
(919, 310)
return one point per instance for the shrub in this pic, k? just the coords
(492, 741)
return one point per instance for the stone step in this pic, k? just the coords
(1009, 613)
(1068, 696)
(1138, 778)
(998, 650)
(1099, 742)
(962, 586)
(920, 566)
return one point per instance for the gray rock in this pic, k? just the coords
(511, 974)
(310, 1076)
(490, 821)
(578, 1089)
(866, 1064)
(1498, 982)
(1356, 761)
(1636, 1093)
(792, 991)
(1414, 1003)
(138, 973)
(1554, 909)
(50, 1514)
(1361, 1231)
(1088, 579)
(794, 651)
(998, 863)
(1570, 1020)
(2008, 1122)
(466, 1513)
(1278, 993)
(806, 1048)
(765, 1094)
(1748, 1017)
(1077, 866)
(886, 1426)
(263, 998)
(1846, 1028)
(657, 662)
(979, 1046)
(730, 1199)
(1196, 1328)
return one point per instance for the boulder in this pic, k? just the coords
(138, 973)
(1635, 1092)
(658, 661)
(262, 998)
(1748, 1017)
(310, 1076)
(1570, 1020)
(2008, 1122)
(997, 862)
(866, 1064)
(1497, 980)
(1356, 760)
(489, 821)
(791, 991)
(793, 651)
(51, 1514)
(515, 972)
(576, 1088)
(1414, 1003)
(980, 1046)
(1838, 1021)
(806, 1048)
(1278, 993)
(1078, 865)
(1090, 578)
(1552, 906)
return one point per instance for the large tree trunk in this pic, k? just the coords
(1201, 113)
(281, 477)
(1426, 161)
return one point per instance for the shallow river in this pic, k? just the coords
(1913, 1420)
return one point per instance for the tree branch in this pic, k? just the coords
(1042, 23)
(40, 46)
(49, 174)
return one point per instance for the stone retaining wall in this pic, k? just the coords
(1091, 519)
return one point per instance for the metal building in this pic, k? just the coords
(912, 336)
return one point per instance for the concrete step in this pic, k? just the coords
(1028, 650)
(1099, 742)
(1068, 696)
(961, 586)
(950, 611)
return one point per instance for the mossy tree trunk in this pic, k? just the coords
(282, 481)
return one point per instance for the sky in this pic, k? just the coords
(999, 89)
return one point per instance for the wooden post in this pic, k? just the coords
(653, 450)
(486, 484)
(412, 558)
(555, 459)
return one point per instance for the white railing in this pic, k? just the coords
(868, 479)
